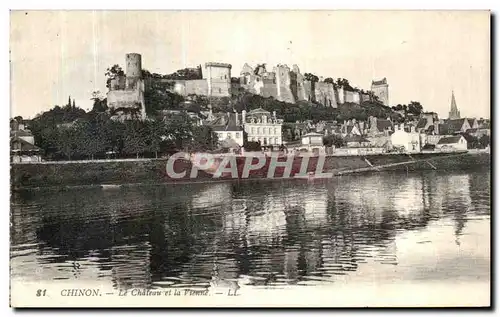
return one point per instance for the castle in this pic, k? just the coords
(127, 92)
(282, 83)
(381, 89)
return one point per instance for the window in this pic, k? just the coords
(253, 130)
(275, 130)
(237, 135)
(220, 90)
(258, 130)
(264, 130)
(276, 141)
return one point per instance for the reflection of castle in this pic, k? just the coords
(277, 230)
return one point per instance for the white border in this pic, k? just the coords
(190, 5)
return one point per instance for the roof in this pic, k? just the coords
(229, 143)
(24, 145)
(20, 133)
(455, 125)
(215, 64)
(226, 122)
(312, 134)
(474, 130)
(355, 138)
(450, 139)
(258, 111)
(471, 121)
(379, 82)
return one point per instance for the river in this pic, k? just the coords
(351, 230)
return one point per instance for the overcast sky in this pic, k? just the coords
(424, 55)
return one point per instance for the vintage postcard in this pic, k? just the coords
(250, 159)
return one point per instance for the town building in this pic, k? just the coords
(451, 143)
(229, 130)
(262, 127)
(22, 151)
(356, 141)
(22, 143)
(454, 126)
(379, 127)
(427, 123)
(409, 140)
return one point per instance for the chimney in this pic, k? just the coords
(412, 129)
(274, 114)
(236, 118)
(228, 117)
(243, 116)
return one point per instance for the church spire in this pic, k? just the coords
(454, 113)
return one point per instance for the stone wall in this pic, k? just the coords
(325, 94)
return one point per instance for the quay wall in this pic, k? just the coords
(153, 171)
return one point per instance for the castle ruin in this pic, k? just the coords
(127, 92)
(282, 83)
(381, 89)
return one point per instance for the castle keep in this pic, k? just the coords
(381, 89)
(127, 92)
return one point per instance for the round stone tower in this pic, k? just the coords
(134, 65)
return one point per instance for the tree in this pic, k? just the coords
(186, 74)
(113, 72)
(67, 142)
(252, 146)
(344, 83)
(155, 130)
(333, 140)
(415, 108)
(484, 141)
(258, 68)
(330, 80)
(311, 77)
(204, 139)
(100, 102)
(158, 95)
(133, 142)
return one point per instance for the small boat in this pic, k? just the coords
(110, 186)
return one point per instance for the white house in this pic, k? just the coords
(312, 142)
(409, 140)
(262, 127)
(228, 129)
(450, 143)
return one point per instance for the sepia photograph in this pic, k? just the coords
(265, 158)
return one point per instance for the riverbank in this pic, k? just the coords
(153, 171)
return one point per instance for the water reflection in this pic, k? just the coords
(272, 233)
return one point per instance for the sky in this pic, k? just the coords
(423, 54)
